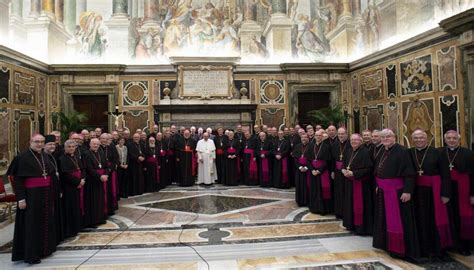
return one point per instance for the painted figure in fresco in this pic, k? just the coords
(309, 45)
(328, 14)
(149, 46)
(202, 33)
(250, 10)
(227, 38)
(175, 36)
(134, 35)
(292, 7)
(372, 24)
(92, 35)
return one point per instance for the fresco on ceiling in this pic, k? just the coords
(151, 31)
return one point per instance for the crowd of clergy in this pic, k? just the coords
(416, 203)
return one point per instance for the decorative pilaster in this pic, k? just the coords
(17, 32)
(462, 25)
(151, 13)
(47, 8)
(59, 11)
(249, 29)
(118, 28)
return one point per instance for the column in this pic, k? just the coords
(120, 8)
(17, 9)
(35, 8)
(59, 10)
(150, 13)
(81, 7)
(118, 30)
(278, 6)
(356, 8)
(346, 11)
(16, 31)
(70, 16)
(47, 8)
(278, 30)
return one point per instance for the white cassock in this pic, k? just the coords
(207, 172)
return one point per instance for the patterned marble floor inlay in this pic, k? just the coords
(375, 265)
(208, 204)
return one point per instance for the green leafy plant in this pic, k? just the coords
(71, 122)
(327, 116)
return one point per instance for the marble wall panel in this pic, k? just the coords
(374, 117)
(357, 124)
(135, 93)
(54, 95)
(136, 119)
(4, 84)
(392, 116)
(418, 114)
(371, 84)
(4, 139)
(416, 75)
(449, 111)
(156, 92)
(355, 88)
(273, 117)
(447, 68)
(272, 92)
(23, 129)
(24, 88)
(391, 75)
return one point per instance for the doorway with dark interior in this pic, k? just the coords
(308, 101)
(95, 107)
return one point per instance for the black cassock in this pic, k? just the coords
(57, 200)
(394, 220)
(337, 154)
(187, 160)
(136, 184)
(162, 148)
(303, 154)
(111, 158)
(293, 141)
(170, 160)
(95, 191)
(35, 226)
(434, 233)
(320, 199)
(358, 197)
(280, 169)
(232, 162)
(264, 148)
(72, 171)
(220, 142)
(152, 171)
(249, 165)
(462, 183)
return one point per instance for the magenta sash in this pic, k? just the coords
(36, 182)
(265, 167)
(169, 152)
(325, 182)
(77, 174)
(252, 165)
(339, 165)
(466, 210)
(357, 200)
(104, 185)
(162, 153)
(395, 234)
(441, 213)
(154, 160)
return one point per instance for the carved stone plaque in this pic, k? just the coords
(205, 81)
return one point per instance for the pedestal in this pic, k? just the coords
(342, 38)
(278, 35)
(248, 30)
(17, 32)
(118, 36)
(44, 35)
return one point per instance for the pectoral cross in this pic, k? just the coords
(100, 166)
(348, 167)
(451, 166)
(340, 157)
(44, 174)
(420, 172)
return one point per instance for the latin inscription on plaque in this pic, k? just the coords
(207, 83)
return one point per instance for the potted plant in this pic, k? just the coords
(327, 116)
(70, 122)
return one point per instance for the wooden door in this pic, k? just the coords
(96, 109)
(311, 101)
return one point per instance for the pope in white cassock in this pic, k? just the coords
(206, 151)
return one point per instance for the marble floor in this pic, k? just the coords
(217, 228)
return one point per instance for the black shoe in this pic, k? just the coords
(38, 261)
(465, 252)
